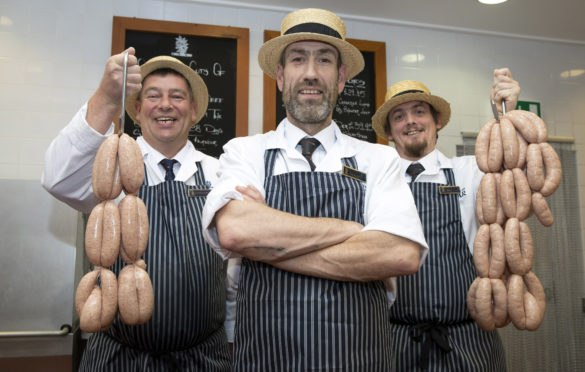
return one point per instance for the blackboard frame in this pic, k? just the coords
(241, 36)
(378, 48)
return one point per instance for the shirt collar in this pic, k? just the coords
(187, 152)
(433, 162)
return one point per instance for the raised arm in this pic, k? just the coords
(105, 103)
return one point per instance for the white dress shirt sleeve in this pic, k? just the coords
(241, 164)
(69, 163)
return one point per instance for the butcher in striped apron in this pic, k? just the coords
(431, 326)
(186, 330)
(322, 325)
(338, 219)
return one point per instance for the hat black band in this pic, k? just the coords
(408, 91)
(316, 28)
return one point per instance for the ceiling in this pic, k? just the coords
(556, 20)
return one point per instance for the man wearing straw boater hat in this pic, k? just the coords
(320, 218)
(431, 326)
(166, 98)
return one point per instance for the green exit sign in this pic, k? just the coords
(533, 107)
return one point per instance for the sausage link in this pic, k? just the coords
(482, 145)
(534, 302)
(131, 164)
(523, 195)
(105, 177)
(102, 234)
(542, 210)
(489, 198)
(497, 264)
(135, 295)
(518, 246)
(534, 167)
(134, 227)
(481, 246)
(522, 149)
(538, 125)
(523, 125)
(553, 169)
(500, 299)
(510, 143)
(496, 149)
(516, 301)
(508, 193)
(483, 305)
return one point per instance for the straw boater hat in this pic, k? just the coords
(198, 87)
(310, 24)
(406, 91)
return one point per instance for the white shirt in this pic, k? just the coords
(467, 177)
(389, 205)
(69, 164)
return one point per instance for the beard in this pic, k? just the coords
(310, 111)
(416, 150)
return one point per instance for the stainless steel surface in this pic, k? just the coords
(495, 111)
(122, 117)
(65, 329)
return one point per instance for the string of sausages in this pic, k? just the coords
(114, 230)
(521, 169)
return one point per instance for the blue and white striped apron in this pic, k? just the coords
(186, 330)
(431, 305)
(291, 322)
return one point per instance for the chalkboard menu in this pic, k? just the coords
(212, 51)
(355, 105)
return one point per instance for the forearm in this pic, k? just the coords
(69, 162)
(261, 233)
(367, 256)
(101, 112)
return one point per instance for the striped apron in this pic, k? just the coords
(291, 322)
(431, 327)
(186, 330)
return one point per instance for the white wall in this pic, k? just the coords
(52, 54)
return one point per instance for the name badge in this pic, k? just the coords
(197, 193)
(353, 173)
(445, 190)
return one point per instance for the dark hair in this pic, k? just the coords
(166, 71)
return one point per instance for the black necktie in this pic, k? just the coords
(414, 169)
(308, 146)
(168, 165)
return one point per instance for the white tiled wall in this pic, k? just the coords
(52, 54)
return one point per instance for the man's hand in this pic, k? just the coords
(107, 99)
(504, 89)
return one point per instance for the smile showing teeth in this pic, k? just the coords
(310, 91)
(165, 120)
(413, 132)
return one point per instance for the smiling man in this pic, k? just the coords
(166, 98)
(321, 219)
(431, 327)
